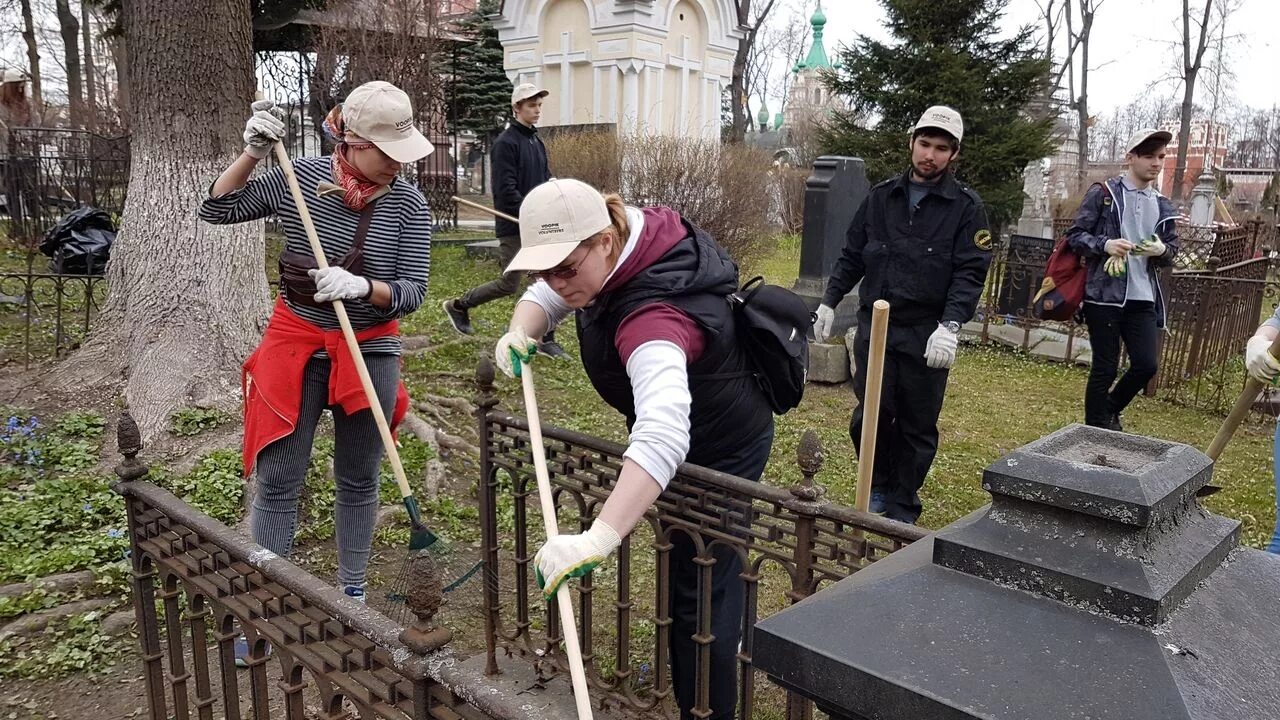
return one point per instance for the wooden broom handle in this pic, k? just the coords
(573, 649)
(384, 429)
(871, 403)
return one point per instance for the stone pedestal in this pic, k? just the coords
(1093, 586)
(828, 362)
(1202, 199)
(832, 195)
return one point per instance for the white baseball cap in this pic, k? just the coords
(555, 218)
(524, 91)
(13, 75)
(1146, 134)
(942, 118)
(382, 114)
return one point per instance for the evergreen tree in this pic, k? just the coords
(481, 87)
(946, 52)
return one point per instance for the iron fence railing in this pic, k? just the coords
(46, 315)
(197, 586)
(791, 542)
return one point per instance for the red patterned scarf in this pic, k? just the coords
(356, 188)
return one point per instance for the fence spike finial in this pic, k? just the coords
(809, 456)
(129, 443)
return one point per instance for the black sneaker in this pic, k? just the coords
(552, 349)
(1114, 423)
(458, 317)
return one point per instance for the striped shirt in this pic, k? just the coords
(397, 249)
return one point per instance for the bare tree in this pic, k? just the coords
(1088, 11)
(90, 84)
(188, 300)
(33, 60)
(1192, 61)
(739, 90)
(69, 26)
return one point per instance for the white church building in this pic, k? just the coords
(655, 66)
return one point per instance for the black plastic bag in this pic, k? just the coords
(80, 244)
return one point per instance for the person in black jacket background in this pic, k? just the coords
(921, 242)
(519, 165)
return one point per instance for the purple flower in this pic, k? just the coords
(115, 533)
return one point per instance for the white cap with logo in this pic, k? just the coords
(525, 91)
(555, 218)
(1146, 134)
(382, 114)
(942, 118)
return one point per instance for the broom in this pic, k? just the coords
(421, 538)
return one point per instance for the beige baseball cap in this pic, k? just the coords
(1146, 134)
(942, 118)
(524, 91)
(382, 114)
(555, 218)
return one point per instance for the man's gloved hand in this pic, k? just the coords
(822, 326)
(1116, 266)
(336, 283)
(940, 352)
(1151, 247)
(264, 128)
(1118, 247)
(566, 556)
(512, 348)
(1259, 361)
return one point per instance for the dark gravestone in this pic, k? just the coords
(1021, 273)
(1093, 586)
(832, 195)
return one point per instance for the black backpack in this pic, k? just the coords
(773, 327)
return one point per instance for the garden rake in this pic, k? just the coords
(421, 538)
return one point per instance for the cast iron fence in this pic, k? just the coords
(46, 315)
(197, 585)
(791, 542)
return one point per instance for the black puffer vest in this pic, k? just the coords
(728, 411)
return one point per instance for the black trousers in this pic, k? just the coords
(1135, 325)
(728, 593)
(910, 402)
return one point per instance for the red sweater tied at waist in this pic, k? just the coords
(272, 377)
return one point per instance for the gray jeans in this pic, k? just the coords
(357, 455)
(505, 286)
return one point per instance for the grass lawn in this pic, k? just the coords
(996, 401)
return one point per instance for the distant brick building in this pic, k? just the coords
(1208, 141)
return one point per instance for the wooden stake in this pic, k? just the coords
(871, 403)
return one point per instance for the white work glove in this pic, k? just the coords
(940, 352)
(513, 347)
(264, 128)
(1262, 366)
(336, 283)
(822, 326)
(1118, 247)
(1151, 247)
(566, 556)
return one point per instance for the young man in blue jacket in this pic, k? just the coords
(1126, 231)
(519, 165)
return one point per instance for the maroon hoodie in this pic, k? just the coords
(656, 321)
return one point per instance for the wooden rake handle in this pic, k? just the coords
(1243, 404)
(491, 211)
(573, 649)
(384, 429)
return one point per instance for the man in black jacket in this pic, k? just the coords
(519, 165)
(921, 242)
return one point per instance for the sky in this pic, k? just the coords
(1135, 45)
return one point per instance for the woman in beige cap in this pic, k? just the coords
(376, 231)
(658, 342)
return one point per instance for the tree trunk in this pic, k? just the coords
(1190, 69)
(69, 26)
(90, 85)
(737, 84)
(187, 300)
(33, 59)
